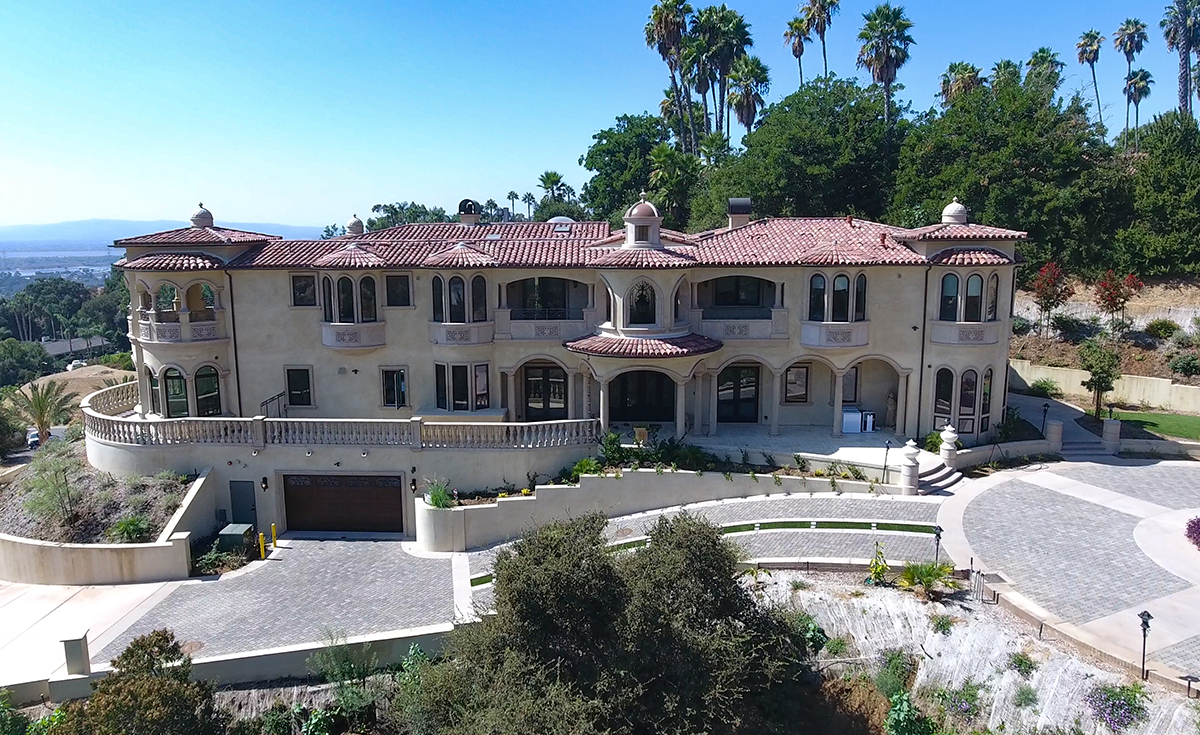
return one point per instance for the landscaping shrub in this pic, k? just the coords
(51, 497)
(942, 624)
(811, 632)
(612, 454)
(1193, 532)
(1026, 696)
(133, 529)
(933, 442)
(1044, 388)
(903, 718)
(585, 466)
(1183, 340)
(214, 561)
(835, 647)
(348, 670)
(1185, 363)
(12, 721)
(1118, 707)
(928, 576)
(1021, 325)
(1074, 330)
(1162, 328)
(1021, 663)
(116, 361)
(438, 493)
(962, 703)
(895, 669)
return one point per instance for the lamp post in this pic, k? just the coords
(887, 447)
(1045, 411)
(1190, 679)
(937, 543)
(1146, 618)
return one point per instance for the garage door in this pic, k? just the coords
(344, 502)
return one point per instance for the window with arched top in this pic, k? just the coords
(973, 308)
(327, 298)
(366, 299)
(966, 402)
(165, 298)
(457, 290)
(177, 396)
(993, 297)
(841, 299)
(816, 298)
(439, 306)
(943, 397)
(860, 298)
(642, 308)
(948, 312)
(345, 300)
(985, 401)
(155, 398)
(478, 299)
(208, 391)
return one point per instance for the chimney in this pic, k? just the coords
(468, 212)
(739, 212)
(850, 220)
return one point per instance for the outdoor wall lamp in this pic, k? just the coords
(263, 484)
(253, 452)
(308, 453)
(1146, 618)
(364, 453)
(1190, 679)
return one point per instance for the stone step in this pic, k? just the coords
(942, 484)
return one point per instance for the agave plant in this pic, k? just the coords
(929, 577)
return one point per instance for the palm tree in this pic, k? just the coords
(731, 38)
(1045, 67)
(714, 148)
(512, 200)
(1137, 88)
(959, 78)
(551, 182)
(797, 34)
(1130, 39)
(44, 406)
(1089, 53)
(749, 80)
(697, 67)
(664, 33)
(928, 577)
(818, 15)
(884, 49)
(1181, 29)
(1005, 72)
(529, 200)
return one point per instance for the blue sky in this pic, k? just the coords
(308, 112)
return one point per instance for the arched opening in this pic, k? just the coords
(208, 391)
(327, 298)
(736, 297)
(943, 397)
(439, 306)
(155, 397)
(177, 397)
(201, 303)
(966, 402)
(545, 396)
(870, 394)
(841, 299)
(478, 299)
(642, 395)
(948, 312)
(366, 299)
(345, 300)
(860, 298)
(166, 304)
(738, 389)
(642, 307)
(816, 298)
(973, 308)
(993, 297)
(458, 300)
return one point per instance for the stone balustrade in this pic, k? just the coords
(346, 432)
(964, 333)
(509, 435)
(835, 335)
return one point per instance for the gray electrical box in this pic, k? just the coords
(236, 537)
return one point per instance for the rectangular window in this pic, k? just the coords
(395, 387)
(641, 233)
(482, 393)
(399, 292)
(304, 290)
(462, 387)
(440, 381)
(850, 386)
(299, 386)
(796, 385)
(155, 401)
(458, 384)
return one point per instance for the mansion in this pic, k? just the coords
(491, 352)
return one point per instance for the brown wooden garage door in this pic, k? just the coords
(344, 503)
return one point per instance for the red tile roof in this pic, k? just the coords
(970, 256)
(459, 256)
(670, 257)
(198, 236)
(453, 231)
(350, 256)
(171, 262)
(643, 347)
(962, 232)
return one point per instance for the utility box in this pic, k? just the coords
(236, 537)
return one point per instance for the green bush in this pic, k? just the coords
(585, 466)
(1021, 663)
(933, 442)
(835, 646)
(12, 721)
(904, 718)
(1075, 330)
(810, 631)
(1162, 328)
(1044, 388)
(962, 703)
(895, 669)
(1118, 707)
(1026, 696)
(438, 493)
(1021, 325)
(51, 497)
(612, 454)
(214, 561)
(133, 529)
(942, 623)
(1183, 340)
(1185, 363)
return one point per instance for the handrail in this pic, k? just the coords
(453, 435)
(346, 432)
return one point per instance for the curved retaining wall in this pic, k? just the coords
(31, 561)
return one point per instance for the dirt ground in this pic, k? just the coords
(1141, 357)
(1158, 293)
(86, 380)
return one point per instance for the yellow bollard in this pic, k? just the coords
(262, 544)
(274, 541)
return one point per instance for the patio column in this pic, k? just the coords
(779, 294)
(586, 409)
(712, 404)
(506, 397)
(697, 416)
(902, 405)
(775, 403)
(604, 406)
(571, 402)
(839, 377)
(680, 408)
(139, 364)
(503, 295)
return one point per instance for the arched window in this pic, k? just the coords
(943, 396)
(860, 298)
(985, 400)
(478, 299)
(155, 398)
(966, 402)
(679, 302)
(439, 306)
(458, 300)
(366, 299)
(949, 308)
(177, 400)
(208, 392)
(345, 300)
(608, 304)
(841, 299)
(165, 300)
(993, 296)
(327, 298)
(816, 298)
(973, 311)
(642, 308)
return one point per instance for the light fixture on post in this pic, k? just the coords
(1146, 618)
(1045, 412)
(1190, 679)
(263, 484)
(937, 543)
(887, 447)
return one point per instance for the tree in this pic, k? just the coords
(1137, 88)
(1045, 70)
(797, 34)
(1112, 293)
(551, 182)
(619, 158)
(749, 80)
(512, 198)
(548, 208)
(401, 213)
(1181, 29)
(1051, 289)
(664, 33)
(818, 16)
(1005, 72)
(529, 200)
(21, 362)
(885, 42)
(332, 231)
(714, 149)
(959, 78)
(1103, 365)
(1130, 39)
(730, 37)
(672, 176)
(44, 406)
(1089, 53)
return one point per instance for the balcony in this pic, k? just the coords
(180, 331)
(368, 335)
(477, 333)
(549, 324)
(971, 334)
(740, 322)
(835, 335)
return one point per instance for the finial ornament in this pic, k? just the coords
(643, 195)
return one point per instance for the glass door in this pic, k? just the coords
(545, 393)
(737, 395)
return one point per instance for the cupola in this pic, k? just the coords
(642, 224)
(202, 217)
(954, 213)
(354, 226)
(468, 212)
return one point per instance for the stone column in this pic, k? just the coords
(503, 295)
(697, 402)
(571, 402)
(139, 364)
(775, 380)
(506, 396)
(712, 405)
(680, 408)
(910, 469)
(949, 451)
(779, 294)
(1054, 433)
(839, 378)
(1111, 437)
(604, 406)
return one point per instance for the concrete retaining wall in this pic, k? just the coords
(30, 561)
(1131, 389)
(197, 514)
(975, 456)
(1164, 447)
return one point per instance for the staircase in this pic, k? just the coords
(1085, 450)
(938, 479)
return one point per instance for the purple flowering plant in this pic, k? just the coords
(1118, 707)
(1193, 532)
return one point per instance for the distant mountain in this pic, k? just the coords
(104, 231)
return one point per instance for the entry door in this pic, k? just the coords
(545, 393)
(737, 395)
(241, 497)
(642, 396)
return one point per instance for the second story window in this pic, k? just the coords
(439, 307)
(642, 307)
(458, 300)
(948, 312)
(299, 386)
(841, 299)
(366, 299)
(973, 310)
(453, 300)
(327, 298)
(399, 292)
(478, 299)
(860, 298)
(345, 300)
(304, 290)
(816, 298)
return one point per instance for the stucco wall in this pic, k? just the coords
(43, 562)
(197, 514)
(1132, 389)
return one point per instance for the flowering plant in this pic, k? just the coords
(1193, 532)
(1118, 707)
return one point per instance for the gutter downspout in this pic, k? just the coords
(237, 372)
(924, 340)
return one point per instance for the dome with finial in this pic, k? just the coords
(202, 217)
(954, 213)
(354, 226)
(642, 209)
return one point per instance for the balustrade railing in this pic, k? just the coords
(346, 432)
(438, 435)
(113, 400)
